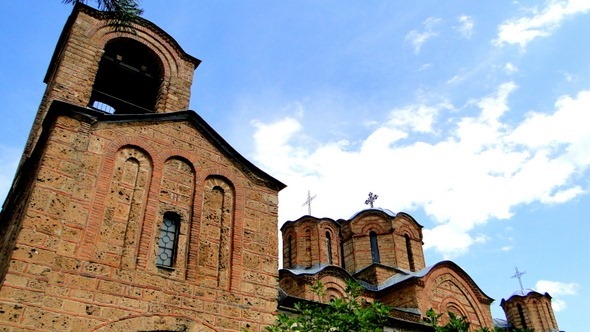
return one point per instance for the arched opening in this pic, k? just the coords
(128, 78)
(329, 247)
(308, 257)
(409, 252)
(289, 252)
(374, 248)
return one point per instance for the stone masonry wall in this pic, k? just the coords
(71, 77)
(85, 257)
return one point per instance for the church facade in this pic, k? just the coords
(128, 212)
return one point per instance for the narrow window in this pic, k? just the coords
(308, 247)
(289, 252)
(409, 251)
(168, 242)
(521, 314)
(329, 247)
(342, 262)
(374, 247)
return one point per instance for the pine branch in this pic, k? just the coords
(123, 12)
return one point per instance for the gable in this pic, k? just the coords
(164, 135)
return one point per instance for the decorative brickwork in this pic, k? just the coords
(216, 232)
(382, 251)
(82, 241)
(530, 309)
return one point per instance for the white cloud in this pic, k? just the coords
(558, 305)
(557, 290)
(521, 31)
(451, 242)
(417, 39)
(510, 68)
(568, 77)
(463, 171)
(425, 67)
(416, 118)
(467, 23)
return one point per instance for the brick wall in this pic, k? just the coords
(447, 287)
(535, 308)
(308, 244)
(85, 257)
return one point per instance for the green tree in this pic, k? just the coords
(455, 324)
(348, 314)
(123, 12)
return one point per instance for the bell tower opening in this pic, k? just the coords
(128, 79)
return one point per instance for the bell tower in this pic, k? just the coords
(138, 72)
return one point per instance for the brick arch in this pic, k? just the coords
(193, 216)
(177, 66)
(328, 225)
(101, 34)
(175, 193)
(101, 217)
(216, 238)
(289, 248)
(239, 202)
(333, 288)
(155, 322)
(372, 227)
(407, 230)
(334, 252)
(454, 289)
(307, 232)
(451, 304)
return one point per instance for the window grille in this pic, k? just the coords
(167, 245)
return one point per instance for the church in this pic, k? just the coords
(128, 212)
(382, 251)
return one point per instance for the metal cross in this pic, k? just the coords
(372, 198)
(308, 202)
(518, 276)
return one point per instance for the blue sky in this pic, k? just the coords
(472, 116)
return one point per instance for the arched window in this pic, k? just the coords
(521, 316)
(374, 247)
(308, 256)
(289, 252)
(409, 252)
(128, 78)
(329, 247)
(168, 243)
